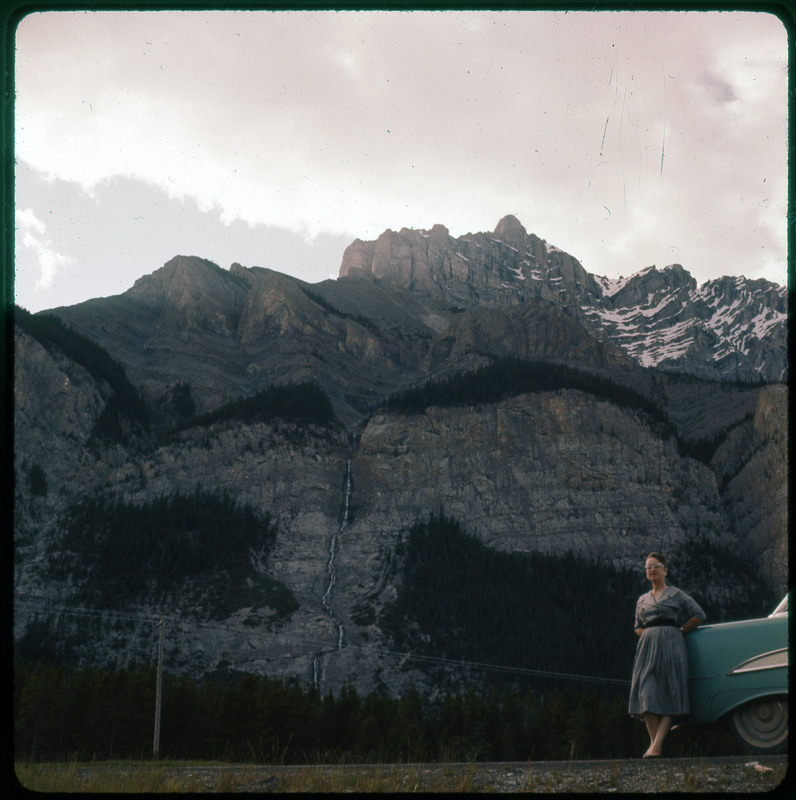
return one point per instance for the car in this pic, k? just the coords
(739, 673)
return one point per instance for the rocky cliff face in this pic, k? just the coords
(552, 472)
(498, 269)
(555, 471)
(753, 462)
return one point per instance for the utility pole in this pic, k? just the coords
(156, 744)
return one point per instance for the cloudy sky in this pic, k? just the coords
(276, 138)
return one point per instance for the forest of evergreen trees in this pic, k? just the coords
(726, 578)
(303, 403)
(121, 552)
(365, 322)
(509, 377)
(559, 628)
(125, 403)
(462, 600)
(67, 712)
(459, 599)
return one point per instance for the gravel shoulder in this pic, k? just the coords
(726, 775)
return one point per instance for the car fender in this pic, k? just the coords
(731, 664)
(727, 702)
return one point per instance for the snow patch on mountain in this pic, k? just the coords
(612, 286)
(658, 318)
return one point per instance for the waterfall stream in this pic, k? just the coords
(345, 515)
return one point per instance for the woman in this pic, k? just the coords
(659, 688)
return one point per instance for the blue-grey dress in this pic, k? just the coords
(660, 671)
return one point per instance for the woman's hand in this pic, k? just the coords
(691, 625)
(639, 631)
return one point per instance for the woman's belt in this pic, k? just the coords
(654, 623)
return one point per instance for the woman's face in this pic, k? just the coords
(655, 570)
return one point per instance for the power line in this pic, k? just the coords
(77, 611)
(315, 647)
(518, 670)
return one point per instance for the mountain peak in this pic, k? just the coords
(511, 230)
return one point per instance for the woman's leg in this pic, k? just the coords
(662, 728)
(652, 727)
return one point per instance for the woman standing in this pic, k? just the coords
(659, 687)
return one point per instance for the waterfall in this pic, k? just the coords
(344, 518)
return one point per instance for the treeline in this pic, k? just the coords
(293, 402)
(459, 599)
(559, 613)
(118, 551)
(67, 712)
(125, 403)
(705, 448)
(508, 377)
(365, 322)
(724, 576)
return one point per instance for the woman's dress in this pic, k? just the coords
(660, 672)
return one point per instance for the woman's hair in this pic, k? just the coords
(659, 556)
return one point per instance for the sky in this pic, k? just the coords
(275, 139)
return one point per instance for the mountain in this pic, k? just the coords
(728, 329)
(250, 456)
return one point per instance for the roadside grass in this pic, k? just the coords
(165, 777)
(148, 777)
(105, 777)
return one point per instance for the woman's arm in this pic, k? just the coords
(691, 625)
(639, 620)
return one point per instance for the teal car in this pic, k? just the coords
(739, 672)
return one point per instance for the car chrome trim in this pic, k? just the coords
(773, 660)
(781, 609)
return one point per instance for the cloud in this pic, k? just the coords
(127, 228)
(346, 123)
(32, 236)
